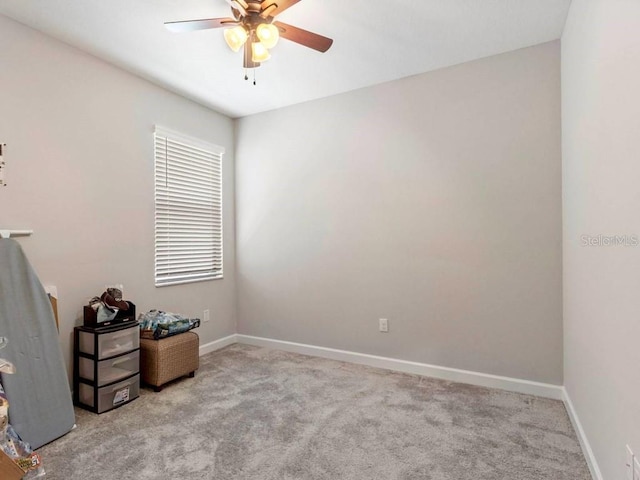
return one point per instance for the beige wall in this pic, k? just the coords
(433, 201)
(80, 173)
(601, 178)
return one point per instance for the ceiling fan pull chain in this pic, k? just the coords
(254, 77)
(246, 77)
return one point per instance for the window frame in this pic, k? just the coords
(189, 210)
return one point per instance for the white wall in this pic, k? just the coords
(601, 178)
(433, 201)
(80, 173)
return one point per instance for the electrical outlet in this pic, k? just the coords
(636, 468)
(205, 316)
(384, 325)
(2, 165)
(628, 464)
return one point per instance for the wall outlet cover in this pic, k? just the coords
(384, 325)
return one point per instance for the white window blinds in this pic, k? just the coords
(188, 200)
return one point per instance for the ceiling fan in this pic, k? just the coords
(253, 27)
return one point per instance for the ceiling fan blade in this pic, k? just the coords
(281, 5)
(268, 10)
(304, 37)
(248, 62)
(193, 25)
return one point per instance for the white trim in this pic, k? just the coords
(592, 463)
(451, 374)
(218, 344)
(15, 233)
(181, 137)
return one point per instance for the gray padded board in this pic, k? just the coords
(40, 405)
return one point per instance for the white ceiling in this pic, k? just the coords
(375, 42)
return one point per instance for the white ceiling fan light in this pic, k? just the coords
(259, 53)
(268, 34)
(236, 37)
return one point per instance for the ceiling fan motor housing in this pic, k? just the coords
(256, 14)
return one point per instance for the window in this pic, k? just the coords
(188, 219)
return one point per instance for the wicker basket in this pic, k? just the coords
(162, 361)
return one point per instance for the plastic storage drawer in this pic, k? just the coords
(111, 370)
(111, 396)
(110, 344)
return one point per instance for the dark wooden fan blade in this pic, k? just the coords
(193, 25)
(281, 4)
(304, 37)
(248, 63)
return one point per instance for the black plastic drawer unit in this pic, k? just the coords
(106, 366)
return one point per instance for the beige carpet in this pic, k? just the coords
(254, 413)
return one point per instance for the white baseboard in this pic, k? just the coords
(452, 374)
(218, 344)
(582, 437)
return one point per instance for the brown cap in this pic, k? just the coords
(109, 301)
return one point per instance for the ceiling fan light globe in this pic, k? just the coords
(259, 53)
(235, 37)
(268, 34)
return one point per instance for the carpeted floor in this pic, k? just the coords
(254, 413)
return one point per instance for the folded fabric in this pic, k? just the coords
(158, 324)
(180, 326)
(106, 314)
